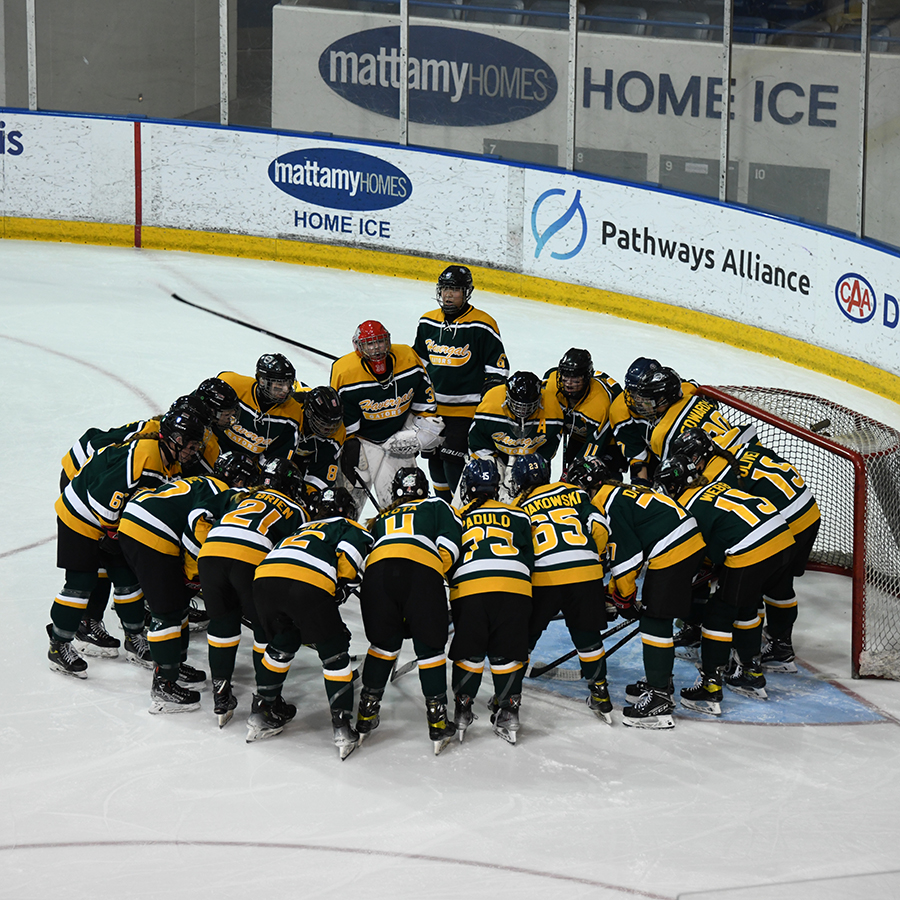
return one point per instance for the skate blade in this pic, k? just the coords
(161, 708)
(258, 733)
(603, 716)
(653, 723)
(688, 653)
(56, 668)
(95, 652)
(137, 661)
(751, 693)
(709, 707)
(441, 744)
(194, 685)
(346, 749)
(789, 668)
(224, 718)
(508, 736)
(199, 626)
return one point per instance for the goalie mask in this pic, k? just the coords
(372, 342)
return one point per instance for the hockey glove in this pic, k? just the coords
(109, 543)
(429, 432)
(343, 592)
(627, 607)
(350, 460)
(402, 445)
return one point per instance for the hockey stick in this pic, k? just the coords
(279, 337)
(537, 671)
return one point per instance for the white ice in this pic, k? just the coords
(98, 799)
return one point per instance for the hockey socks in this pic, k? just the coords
(165, 640)
(223, 637)
(658, 651)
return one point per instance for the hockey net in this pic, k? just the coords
(852, 465)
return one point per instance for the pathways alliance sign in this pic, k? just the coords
(456, 77)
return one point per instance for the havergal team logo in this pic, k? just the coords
(855, 297)
(559, 222)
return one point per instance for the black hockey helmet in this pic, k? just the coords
(523, 394)
(237, 469)
(274, 378)
(574, 373)
(480, 477)
(529, 472)
(409, 483)
(183, 431)
(333, 501)
(651, 388)
(695, 444)
(323, 410)
(588, 473)
(457, 278)
(674, 474)
(193, 404)
(220, 397)
(284, 476)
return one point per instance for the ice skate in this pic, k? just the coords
(198, 617)
(137, 650)
(748, 681)
(463, 715)
(346, 739)
(687, 643)
(598, 701)
(634, 691)
(367, 715)
(224, 701)
(705, 696)
(440, 729)
(189, 675)
(64, 657)
(505, 719)
(264, 721)
(778, 656)
(652, 710)
(92, 639)
(171, 697)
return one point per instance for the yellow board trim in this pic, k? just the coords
(528, 287)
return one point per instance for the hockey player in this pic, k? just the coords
(584, 397)
(760, 471)
(490, 598)
(655, 407)
(569, 538)
(751, 542)
(389, 410)
(417, 540)
(464, 356)
(297, 590)
(268, 418)
(88, 514)
(154, 530)
(646, 528)
(322, 435)
(236, 544)
(516, 419)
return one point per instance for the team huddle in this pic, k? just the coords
(247, 494)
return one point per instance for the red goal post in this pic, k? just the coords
(852, 465)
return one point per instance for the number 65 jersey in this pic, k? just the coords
(497, 551)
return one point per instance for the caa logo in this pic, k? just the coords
(340, 179)
(456, 77)
(556, 220)
(855, 297)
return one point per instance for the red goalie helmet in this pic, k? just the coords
(372, 342)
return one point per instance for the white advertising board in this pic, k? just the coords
(806, 284)
(66, 167)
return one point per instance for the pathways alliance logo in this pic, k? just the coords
(456, 77)
(557, 229)
(340, 179)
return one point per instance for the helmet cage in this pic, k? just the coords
(372, 342)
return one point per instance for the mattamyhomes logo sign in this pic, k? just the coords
(340, 179)
(858, 301)
(456, 77)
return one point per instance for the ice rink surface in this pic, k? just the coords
(797, 797)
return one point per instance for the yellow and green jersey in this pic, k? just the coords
(93, 501)
(95, 439)
(272, 434)
(496, 432)
(376, 410)
(253, 525)
(459, 356)
(497, 551)
(425, 531)
(586, 424)
(644, 527)
(569, 535)
(739, 529)
(322, 553)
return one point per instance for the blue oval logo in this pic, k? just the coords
(855, 297)
(340, 179)
(456, 77)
